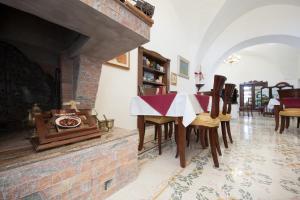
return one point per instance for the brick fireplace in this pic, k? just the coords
(88, 33)
(68, 41)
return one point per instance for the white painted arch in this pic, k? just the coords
(268, 24)
(230, 11)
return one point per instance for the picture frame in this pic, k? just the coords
(173, 79)
(122, 61)
(183, 67)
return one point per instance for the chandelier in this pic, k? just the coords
(233, 59)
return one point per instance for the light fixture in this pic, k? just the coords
(233, 59)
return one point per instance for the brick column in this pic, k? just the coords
(87, 82)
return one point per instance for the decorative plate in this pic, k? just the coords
(68, 121)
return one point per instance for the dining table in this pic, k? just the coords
(183, 107)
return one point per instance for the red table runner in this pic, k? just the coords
(161, 103)
(203, 101)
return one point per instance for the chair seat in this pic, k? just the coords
(204, 119)
(290, 112)
(224, 118)
(159, 119)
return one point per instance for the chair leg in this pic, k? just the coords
(206, 136)
(224, 134)
(170, 129)
(202, 138)
(213, 147)
(195, 130)
(276, 116)
(159, 138)
(282, 124)
(287, 124)
(176, 140)
(197, 134)
(217, 142)
(248, 111)
(166, 131)
(188, 135)
(298, 122)
(155, 132)
(229, 131)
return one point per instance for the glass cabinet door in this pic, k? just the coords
(265, 92)
(258, 96)
(247, 94)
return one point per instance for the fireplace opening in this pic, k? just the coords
(24, 83)
(32, 51)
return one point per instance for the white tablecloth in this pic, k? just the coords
(272, 103)
(183, 105)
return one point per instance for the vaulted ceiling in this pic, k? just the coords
(238, 24)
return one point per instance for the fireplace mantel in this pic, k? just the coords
(110, 27)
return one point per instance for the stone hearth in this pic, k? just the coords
(77, 171)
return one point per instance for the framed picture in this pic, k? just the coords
(122, 61)
(173, 78)
(183, 67)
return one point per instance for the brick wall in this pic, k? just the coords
(115, 10)
(77, 175)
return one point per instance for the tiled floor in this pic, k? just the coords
(260, 164)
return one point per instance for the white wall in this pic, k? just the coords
(174, 33)
(116, 87)
(179, 29)
(269, 62)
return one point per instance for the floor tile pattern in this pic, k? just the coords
(261, 164)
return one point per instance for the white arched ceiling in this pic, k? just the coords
(268, 24)
(232, 10)
(265, 62)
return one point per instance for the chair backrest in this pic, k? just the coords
(227, 98)
(290, 98)
(219, 82)
(289, 93)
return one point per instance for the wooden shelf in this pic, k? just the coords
(154, 58)
(148, 69)
(153, 83)
(154, 55)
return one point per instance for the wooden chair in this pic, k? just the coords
(225, 116)
(210, 121)
(287, 97)
(158, 122)
(249, 107)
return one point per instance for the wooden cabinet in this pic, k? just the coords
(268, 93)
(250, 95)
(153, 70)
